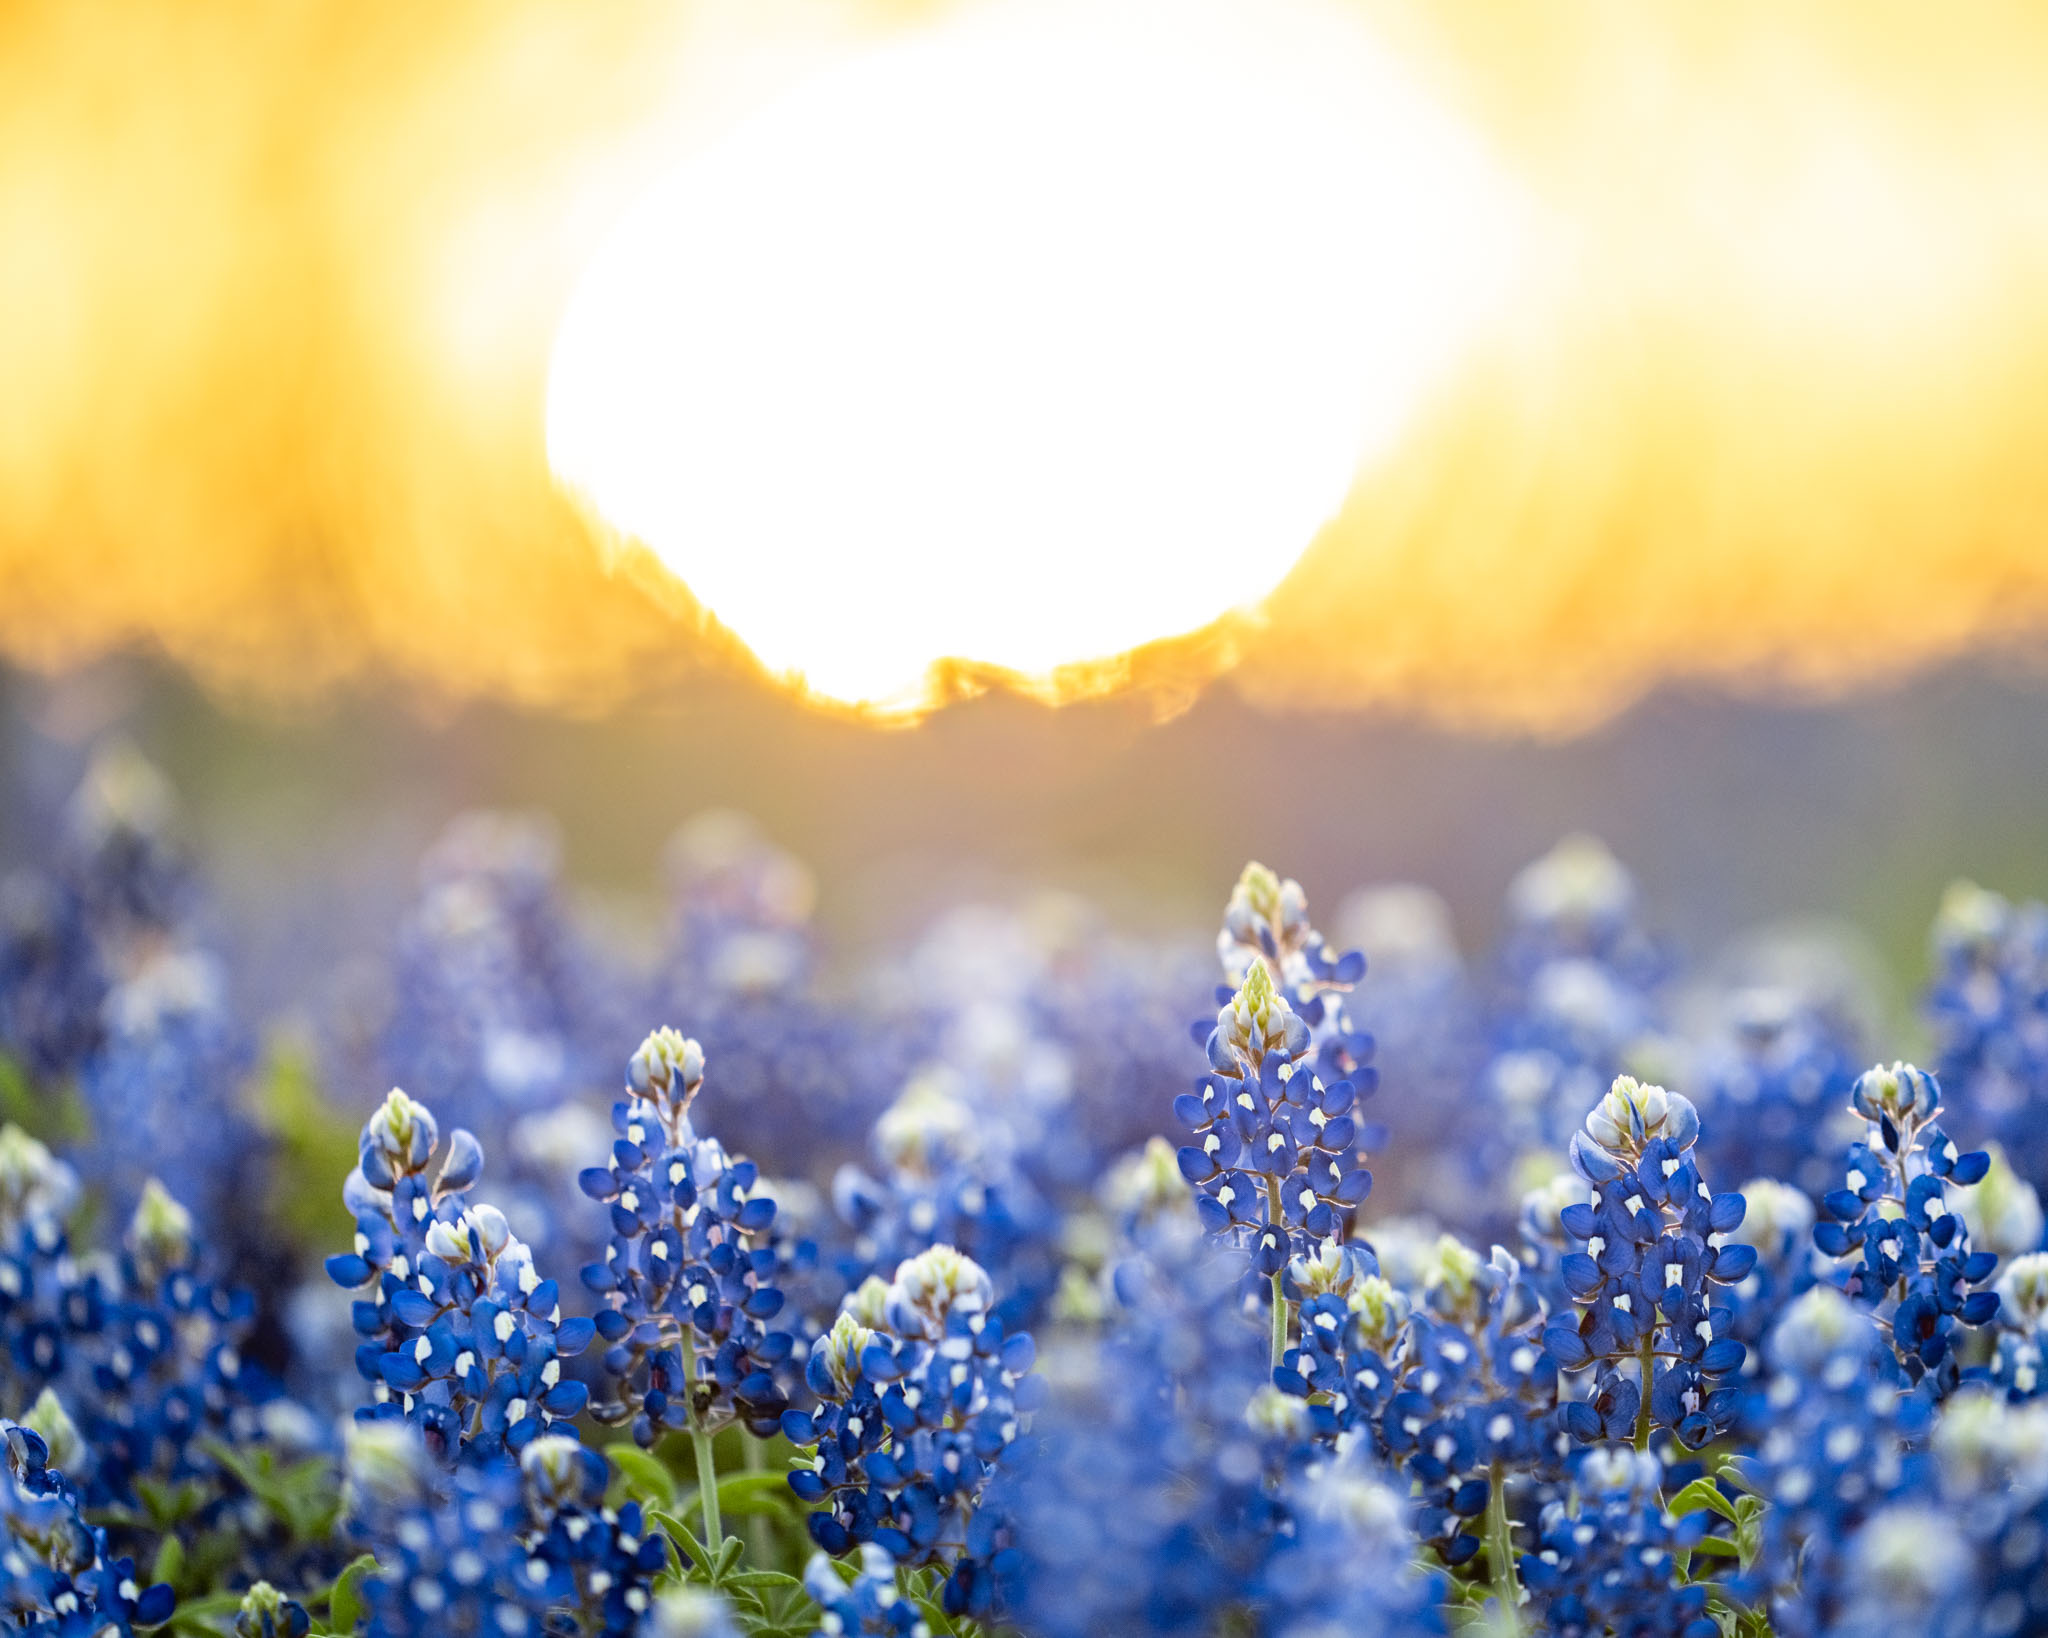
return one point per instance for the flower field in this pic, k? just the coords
(1035, 1279)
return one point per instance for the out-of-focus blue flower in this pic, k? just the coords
(690, 1611)
(689, 1275)
(947, 1179)
(1576, 1001)
(461, 1335)
(57, 1576)
(497, 999)
(1608, 1563)
(133, 1363)
(1139, 1503)
(1777, 1222)
(497, 1544)
(1988, 1008)
(869, 1606)
(1771, 1080)
(1992, 1458)
(740, 964)
(1835, 1442)
(159, 1091)
(106, 981)
(2021, 1363)
(1647, 1283)
(1902, 1251)
(1348, 1565)
(920, 1392)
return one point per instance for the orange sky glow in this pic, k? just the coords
(1763, 408)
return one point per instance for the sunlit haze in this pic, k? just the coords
(1027, 339)
(1513, 361)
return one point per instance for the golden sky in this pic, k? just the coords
(278, 284)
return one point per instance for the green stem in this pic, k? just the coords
(1648, 1357)
(707, 1490)
(707, 1461)
(1274, 1212)
(1500, 1556)
(757, 1525)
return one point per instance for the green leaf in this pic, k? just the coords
(169, 1505)
(646, 1478)
(763, 1581)
(1702, 1493)
(170, 1561)
(305, 1497)
(345, 1600)
(1715, 1547)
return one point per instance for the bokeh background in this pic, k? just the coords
(1724, 540)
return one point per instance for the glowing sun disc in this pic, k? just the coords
(1027, 340)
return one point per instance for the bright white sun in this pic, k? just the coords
(1040, 335)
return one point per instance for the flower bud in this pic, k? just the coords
(267, 1613)
(33, 1182)
(1382, 1310)
(925, 1129)
(398, 1139)
(48, 1418)
(1903, 1093)
(933, 1285)
(841, 1348)
(478, 1235)
(160, 1232)
(668, 1067)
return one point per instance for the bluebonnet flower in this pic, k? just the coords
(1545, 1244)
(267, 1613)
(1474, 1397)
(1988, 1009)
(134, 1362)
(689, 1276)
(461, 1335)
(1835, 1441)
(57, 1575)
(497, 1545)
(1647, 1283)
(918, 1395)
(1605, 1558)
(920, 1391)
(1266, 923)
(1903, 1252)
(1275, 1164)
